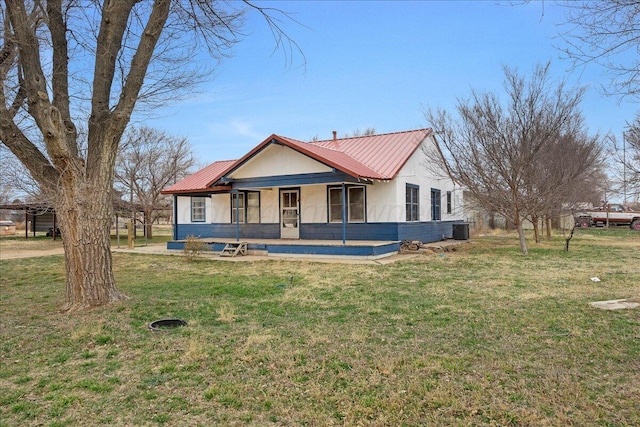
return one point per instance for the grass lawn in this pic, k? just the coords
(482, 336)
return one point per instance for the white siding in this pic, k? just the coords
(184, 209)
(269, 205)
(387, 201)
(277, 160)
(383, 204)
(220, 211)
(313, 200)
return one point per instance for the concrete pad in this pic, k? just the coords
(616, 304)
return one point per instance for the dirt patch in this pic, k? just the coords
(28, 248)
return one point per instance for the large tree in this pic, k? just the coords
(148, 161)
(495, 148)
(606, 33)
(64, 63)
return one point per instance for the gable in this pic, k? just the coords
(278, 160)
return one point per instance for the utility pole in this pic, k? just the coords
(132, 224)
(624, 166)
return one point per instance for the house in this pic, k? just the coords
(350, 196)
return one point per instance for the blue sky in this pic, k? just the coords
(374, 64)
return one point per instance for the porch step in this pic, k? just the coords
(233, 249)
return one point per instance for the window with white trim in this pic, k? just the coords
(198, 206)
(449, 202)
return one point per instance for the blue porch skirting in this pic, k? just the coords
(426, 232)
(300, 247)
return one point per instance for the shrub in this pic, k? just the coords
(194, 247)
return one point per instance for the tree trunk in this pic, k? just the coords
(535, 220)
(549, 224)
(568, 239)
(85, 221)
(148, 219)
(521, 238)
(517, 221)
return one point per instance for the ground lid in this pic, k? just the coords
(616, 304)
(166, 324)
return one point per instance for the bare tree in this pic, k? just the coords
(600, 32)
(148, 161)
(8, 189)
(62, 62)
(16, 179)
(356, 133)
(564, 174)
(626, 157)
(491, 147)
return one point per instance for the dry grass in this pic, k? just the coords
(19, 243)
(478, 337)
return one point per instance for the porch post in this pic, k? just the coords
(175, 217)
(344, 214)
(237, 208)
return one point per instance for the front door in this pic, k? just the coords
(290, 214)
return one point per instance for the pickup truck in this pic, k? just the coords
(612, 214)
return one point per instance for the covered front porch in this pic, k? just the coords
(360, 249)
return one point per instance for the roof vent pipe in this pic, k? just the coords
(335, 135)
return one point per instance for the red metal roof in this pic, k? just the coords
(202, 179)
(377, 157)
(385, 153)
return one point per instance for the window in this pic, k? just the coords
(246, 205)
(253, 207)
(237, 208)
(449, 202)
(355, 204)
(335, 204)
(436, 215)
(198, 209)
(413, 203)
